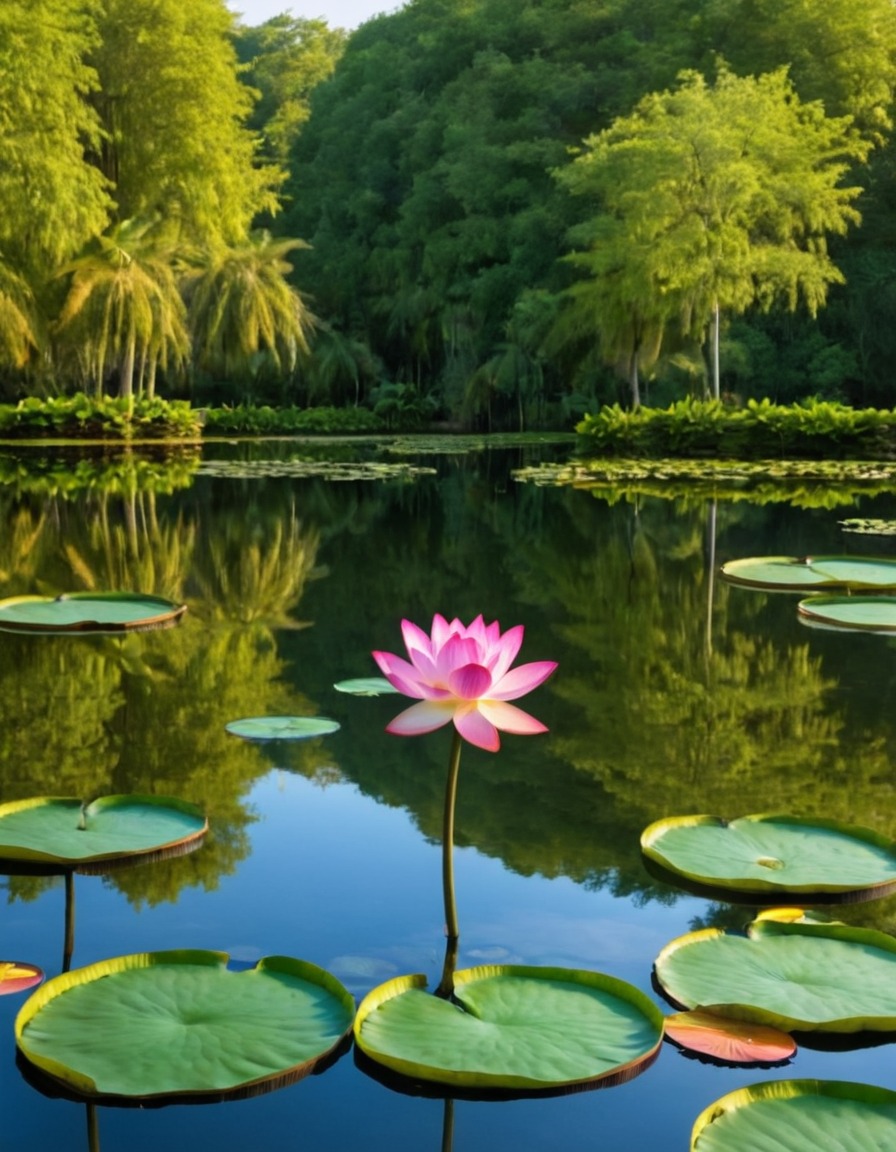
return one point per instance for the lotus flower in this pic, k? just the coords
(463, 674)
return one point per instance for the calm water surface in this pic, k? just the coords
(675, 693)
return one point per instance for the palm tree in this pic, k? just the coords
(241, 305)
(123, 307)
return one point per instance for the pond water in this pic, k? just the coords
(675, 693)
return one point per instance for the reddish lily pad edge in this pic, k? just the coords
(784, 1090)
(18, 976)
(727, 1042)
(486, 1082)
(76, 1085)
(827, 892)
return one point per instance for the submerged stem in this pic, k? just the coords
(452, 932)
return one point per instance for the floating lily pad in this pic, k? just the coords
(366, 686)
(727, 1041)
(810, 977)
(173, 1024)
(17, 977)
(512, 1027)
(799, 1116)
(774, 856)
(63, 832)
(282, 727)
(850, 613)
(88, 612)
(797, 574)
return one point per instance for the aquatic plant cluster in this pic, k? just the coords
(495, 1030)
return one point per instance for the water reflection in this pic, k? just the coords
(675, 693)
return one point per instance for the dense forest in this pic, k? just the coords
(490, 213)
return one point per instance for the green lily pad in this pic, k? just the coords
(512, 1027)
(869, 527)
(63, 832)
(727, 1041)
(282, 727)
(796, 574)
(172, 1024)
(850, 613)
(798, 1116)
(366, 686)
(774, 855)
(88, 612)
(797, 976)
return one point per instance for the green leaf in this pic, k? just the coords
(773, 854)
(111, 829)
(168, 1024)
(798, 1116)
(512, 1027)
(850, 613)
(366, 686)
(813, 977)
(88, 612)
(792, 574)
(282, 727)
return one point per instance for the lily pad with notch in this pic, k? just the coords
(801, 574)
(769, 857)
(88, 612)
(798, 1116)
(512, 1028)
(792, 976)
(181, 1025)
(282, 727)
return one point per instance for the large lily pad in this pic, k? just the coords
(850, 613)
(810, 977)
(774, 856)
(161, 1025)
(88, 612)
(797, 574)
(512, 1027)
(282, 727)
(799, 1116)
(62, 832)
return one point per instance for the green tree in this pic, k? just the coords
(123, 311)
(241, 305)
(714, 198)
(284, 59)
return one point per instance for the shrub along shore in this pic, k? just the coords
(686, 429)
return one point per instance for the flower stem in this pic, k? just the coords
(452, 932)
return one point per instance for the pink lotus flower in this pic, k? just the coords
(463, 674)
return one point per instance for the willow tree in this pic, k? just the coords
(714, 198)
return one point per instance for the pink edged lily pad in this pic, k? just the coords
(18, 977)
(728, 1041)
(80, 612)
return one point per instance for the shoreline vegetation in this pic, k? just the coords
(687, 429)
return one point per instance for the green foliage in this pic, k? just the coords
(248, 420)
(691, 427)
(81, 417)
